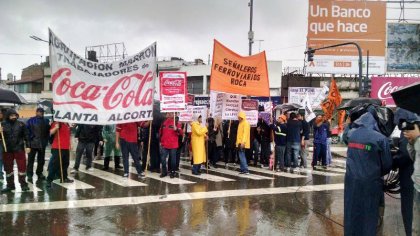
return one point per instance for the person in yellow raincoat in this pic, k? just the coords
(198, 137)
(242, 141)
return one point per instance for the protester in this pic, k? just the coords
(242, 141)
(60, 153)
(219, 141)
(329, 141)
(294, 141)
(320, 141)
(198, 137)
(16, 138)
(264, 131)
(280, 135)
(87, 136)
(126, 141)
(256, 144)
(98, 150)
(304, 151)
(368, 159)
(411, 131)
(213, 130)
(39, 133)
(405, 165)
(169, 133)
(108, 136)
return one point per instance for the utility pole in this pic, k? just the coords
(250, 33)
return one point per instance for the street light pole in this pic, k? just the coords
(250, 33)
(37, 38)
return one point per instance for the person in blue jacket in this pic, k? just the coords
(368, 159)
(320, 141)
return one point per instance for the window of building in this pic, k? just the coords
(195, 84)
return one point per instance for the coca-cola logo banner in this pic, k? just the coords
(89, 92)
(173, 91)
(382, 87)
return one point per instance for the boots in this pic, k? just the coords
(117, 162)
(10, 184)
(106, 163)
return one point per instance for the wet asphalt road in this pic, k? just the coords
(288, 213)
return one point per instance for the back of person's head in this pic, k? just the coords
(293, 115)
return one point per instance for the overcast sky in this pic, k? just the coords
(182, 28)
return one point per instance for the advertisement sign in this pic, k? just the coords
(87, 92)
(250, 107)
(173, 89)
(382, 87)
(316, 95)
(235, 74)
(231, 107)
(403, 51)
(333, 22)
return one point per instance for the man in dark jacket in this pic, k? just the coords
(87, 136)
(294, 140)
(39, 129)
(280, 135)
(368, 159)
(16, 137)
(304, 152)
(264, 131)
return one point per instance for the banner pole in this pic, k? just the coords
(148, 147)
(2, 138)
(59, 154)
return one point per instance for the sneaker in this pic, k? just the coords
(172, 175)
(125, 175)
(89, 169)
(278, 170)
(41, 178)
(118, 167)
(25, 188)
(73, 171)
(68, 181)
(163, 175)
(246, 173)
(142, 175)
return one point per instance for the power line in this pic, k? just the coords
(21, 54)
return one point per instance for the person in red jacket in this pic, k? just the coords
(169, 134)
(126, 139)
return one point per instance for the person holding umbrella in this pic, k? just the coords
(16, 138)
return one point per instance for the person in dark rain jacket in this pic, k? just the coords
(368, 159)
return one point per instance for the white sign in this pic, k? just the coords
(231, 106)
(216, 104)
(187, 115)
(316, 95)
(88, 92)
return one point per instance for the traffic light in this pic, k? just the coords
(310, 53)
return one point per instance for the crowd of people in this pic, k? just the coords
(234, 142)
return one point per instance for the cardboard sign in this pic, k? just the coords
(250, 107)
(173, 89)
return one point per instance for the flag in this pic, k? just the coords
(307, 105)
(333, 100)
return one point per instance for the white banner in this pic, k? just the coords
(88, 92)
(231, 106)
(316, 95)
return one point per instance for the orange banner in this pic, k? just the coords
(232, 73)
(333, 100)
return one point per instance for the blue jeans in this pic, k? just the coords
(128, 148)
(242, 159)
(293, 150)
(172, 157)
(280, 150)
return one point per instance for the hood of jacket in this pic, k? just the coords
(10, 112)
(242, 115)
(366, 120)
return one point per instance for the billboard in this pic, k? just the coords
(316, 95)
(382, 87)
(403, 52)
(333, 22)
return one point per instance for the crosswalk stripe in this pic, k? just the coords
(283, 174)
(317, 172)
(188, 196)
(155, 176)
(32, 188)
(77, 184)
(234, 173)
(111, 177)
(339, 170)
(209, 177)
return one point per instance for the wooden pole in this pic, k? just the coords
(148, 146)
(59, 154)
(2, 138)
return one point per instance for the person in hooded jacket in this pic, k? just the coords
(243, 141)
(368, 159)
(198, 138)
(320, 141)
(16, 137)
(39, 133)
(108, 139)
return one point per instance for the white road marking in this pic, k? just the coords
(283, 174)
(209, 177)
(111, 177)
(77, 184)
(124, 201)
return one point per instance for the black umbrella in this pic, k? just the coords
(358, 101)
(9, 96)
(288, 106)
(408, 98)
